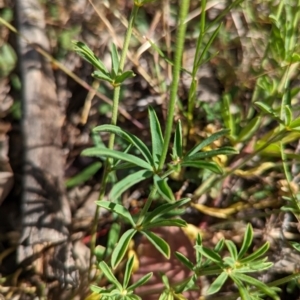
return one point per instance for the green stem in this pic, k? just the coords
(121, 67)
(196, 64)
(111, 142)
(180, 38)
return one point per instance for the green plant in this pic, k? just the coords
(119, 290)
(152, 162)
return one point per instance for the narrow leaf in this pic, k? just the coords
(249, 130)
(207, 141)
(130, 138)
(220, 245)
(122, 77)
(158, 243)
(208, 44)
(264, 107)
(97, 151)
(84, 51)
(259, 252)
(232, 249)
(228, 117)
(212, 255)
(217, 284)
(113, 237)
(101, 75)
(288, 115)
(156, 136)
(163, 188)
(241, 287)
(247, 241)
(201, 164)
(177, 147)
(128, 271)
(186, 285)
(140, 282)
(116, 208)
(121, 247)
(114, 60)
(123, 185)
(259, 284)
(212, 153)
(164, 209)
(84, 175)
(96, 289)
(184, 260)
(161, 223)
(295, 123)
(109, 274)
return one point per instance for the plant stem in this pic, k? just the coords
(180, 38)
(114, 118)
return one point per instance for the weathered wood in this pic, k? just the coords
(46, 212)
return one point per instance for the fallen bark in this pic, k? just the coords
(46, 215)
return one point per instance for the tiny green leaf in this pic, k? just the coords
(217, 284)
(116, 208)
(156, 136)
(163, 188)
(265, 108)
(161, 223)
(140, 282)
(184, 260)
(130, 138)
(259, 252)
(165, 280)
(232, 249)
(186, 285)
(228, 117)
(109, 274)
(295, 123)
(113, 237)
(295, 245)
(96, 289)
(103, 76)
(164, 209)
(259, 284)
(121, 247)
(288, 115)
(128, 182)
(128, 271)
(207, 141)
(241, 287)
(250, 129)
(84, 175)
(158, 243)
(211, 153)
(208, 44)
(99, 252)
(177, 147)
(84, 51)
(114, 60)
(212, 255)
(219, 245)
(247, 241)
(99, 151)
(122, 77)
(201, 164)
